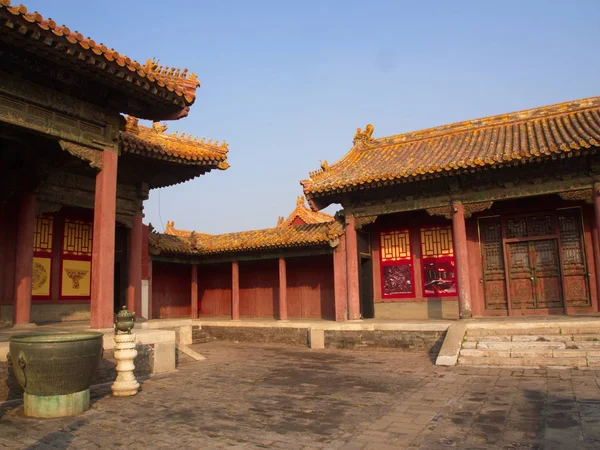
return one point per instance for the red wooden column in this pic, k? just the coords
(352, 270)
(235, 291)
(194, 292)
(24, 260)
(150, 288)
(340, 281)
(134, 288)
(459, 236)
(283, 314)
(103, 248)
(596, 233)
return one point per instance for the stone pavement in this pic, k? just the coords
(249, 396)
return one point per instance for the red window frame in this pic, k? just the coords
(437, 261)
(67, 256)
(46, 253)
(400, 261)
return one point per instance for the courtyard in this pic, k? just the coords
(248, 396)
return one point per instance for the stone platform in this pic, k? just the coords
(424, 336)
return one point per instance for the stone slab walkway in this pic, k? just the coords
(264, 396)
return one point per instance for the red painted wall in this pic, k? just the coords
(259, 289)
(214, 290)
(310, 291)
(171, 295)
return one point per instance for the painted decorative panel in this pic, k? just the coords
(438, 263)
(76, 278)
(40, 279)
(397, 276)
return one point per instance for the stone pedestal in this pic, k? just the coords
(125, 352)
(50, 406)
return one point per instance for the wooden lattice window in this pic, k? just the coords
(397, 274)
(77, 238)
(42, 258)
(437, 260)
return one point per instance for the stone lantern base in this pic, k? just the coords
(125, 352)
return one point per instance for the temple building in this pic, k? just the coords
(285, 272)
(74, 172)
(489, 217)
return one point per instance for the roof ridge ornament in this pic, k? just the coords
(300, 200)
(366, 136)
(172, 72)
(132, 124)
(159, 127)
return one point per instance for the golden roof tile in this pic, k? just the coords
(525, 136)
(44, 35)
(156, 143)
(310, 235)
(305, 214)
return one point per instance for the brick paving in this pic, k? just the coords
(265, 396)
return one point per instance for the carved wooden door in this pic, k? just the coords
(492, 257)
(534, 274)
(548, 291)
(521, 275)
(574, 264)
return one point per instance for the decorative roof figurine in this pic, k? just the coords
(365, 136)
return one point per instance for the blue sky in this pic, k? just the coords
(286, 83)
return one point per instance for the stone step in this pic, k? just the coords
(583, 345)
(485, 353)
(511, 332)
(542, 338)
(580, 330)
(523, 362)
(204, 340)
(530, 353)
(534, 338)
(487, 338)
(522, 345)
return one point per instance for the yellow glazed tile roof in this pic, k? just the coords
(305, 214)
(310, 235)
(548, 132)
(45, 36)
(156, 143)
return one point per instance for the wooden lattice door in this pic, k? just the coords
(534, 262)
(548, 289)
(574, 265)
(492, 256)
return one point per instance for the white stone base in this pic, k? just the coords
(125, 352)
